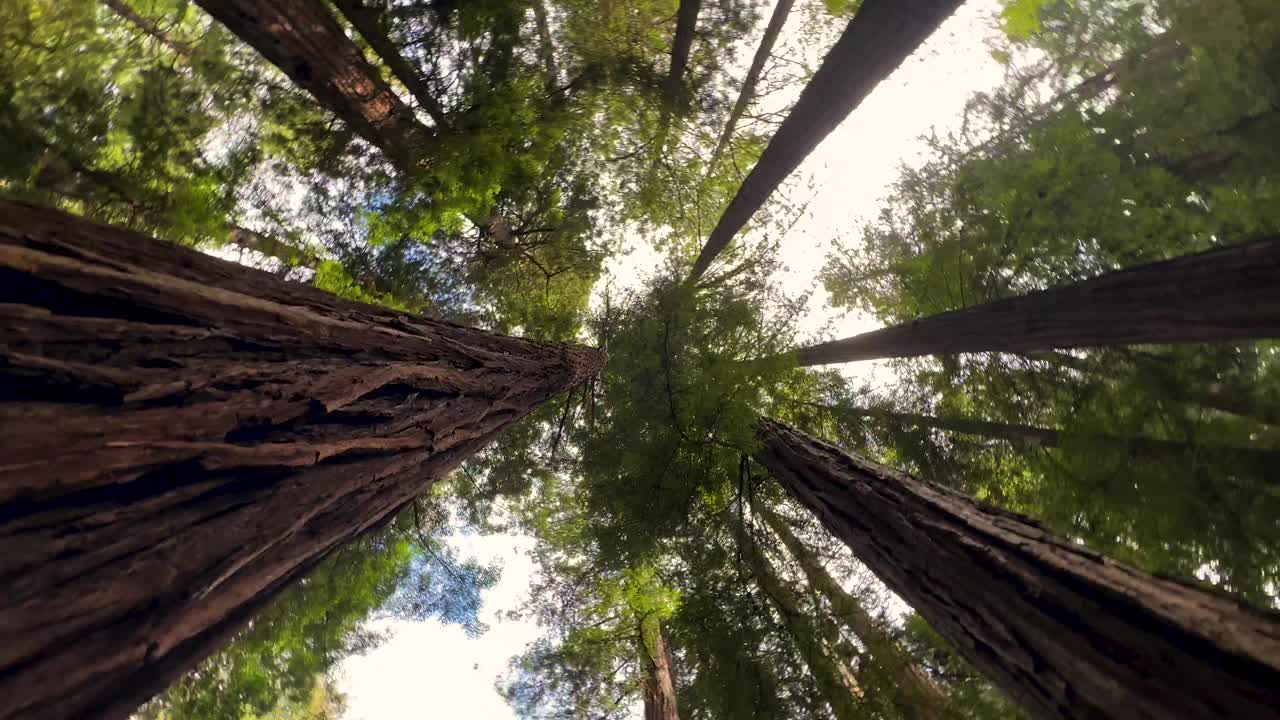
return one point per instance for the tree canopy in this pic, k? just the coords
(484, 163)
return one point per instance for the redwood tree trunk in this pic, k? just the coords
(303, 39)
(1227, 294)
(184, 436)
(368, 21)
(881, 35)
(815, 638)
(916, 696)
(1067, 632)
(748, 92)
(657, 683)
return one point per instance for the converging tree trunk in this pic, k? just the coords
(1067, 632)
(916, 696)
(303, 39)
(184, 437)
(748, 92)
(657, 681)
(370, 23)
(1228, 294)
(816, 644)
(881, 35)
(673, 94)
(1032, 436)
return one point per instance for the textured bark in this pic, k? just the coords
(1227, 294)
(185, 436)
(816, 640)
(1067, 632)
(368, 22)
(881, 35)
(748, 92)
(303, 39)
(657, 684)
(916, 697)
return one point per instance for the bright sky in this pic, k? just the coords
(431, 670)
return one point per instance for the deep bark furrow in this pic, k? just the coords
(154, 495)
(1231, 293)
(1067, 632)
(303, 39)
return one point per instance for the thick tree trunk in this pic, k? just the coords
(288, 254)
(368, 22)
(1067, 632)
(185, 436)
(816, 643)
(916, 696)
(881, 35)
(748, 92)
(657, 683)
(303, 39)
(1227, 294)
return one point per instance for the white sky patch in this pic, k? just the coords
(432, 670)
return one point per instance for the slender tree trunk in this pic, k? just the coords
(1227, 294)
(303, 39)
(288, 254)
(1067, 632)
(881, 35)
(748, 92)
(657, 682)
(546, 47)
(916, 696)
(673, 95)
(1034, 436)
(146, 26)
(816, 644)
(369, 23)
(185, 436)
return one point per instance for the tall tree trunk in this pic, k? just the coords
(916, 696)
(369, 23)
(1067, 632)
(1035, 436)
(1228, 294)
(303, 39)
(146, 26)
(673, 95)
(817, 644)
(546, 46)
(185, 436)
(881, 35)
(657, 682)
(748, 92)
(288, 254)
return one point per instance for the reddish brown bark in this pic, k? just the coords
(368, 21)
(302, 38)
(881, 35)
(1065, 631)
(1227, 294)
(185, 436)
(657, 682)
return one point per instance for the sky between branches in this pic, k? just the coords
(431, 669)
